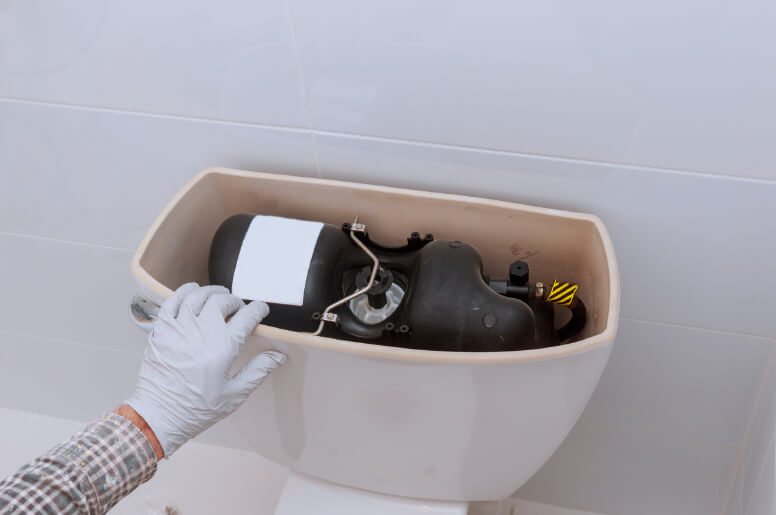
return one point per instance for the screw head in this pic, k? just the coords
(489, 321)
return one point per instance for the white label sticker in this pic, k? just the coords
(274, 260)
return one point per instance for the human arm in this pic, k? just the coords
(183, 387)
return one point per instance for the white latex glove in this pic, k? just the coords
(184, 385)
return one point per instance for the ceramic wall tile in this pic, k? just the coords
(687, 384)
(650, 83)
(63, 379)
(617, 473)
(234, 62)
(71, 292)
(103, 177)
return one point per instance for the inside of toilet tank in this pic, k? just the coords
(554, 246)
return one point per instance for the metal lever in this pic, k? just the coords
(327, 316)
(143, 312)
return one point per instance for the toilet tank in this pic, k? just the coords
(416, 423)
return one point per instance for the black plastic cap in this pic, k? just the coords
(518, 273)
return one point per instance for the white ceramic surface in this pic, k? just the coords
(307, 495)
(673, 231)
(423, 424)
(416, 429)
(202, 479)
(653, 83)
(523, 507)
(236, 62)
(101, 177)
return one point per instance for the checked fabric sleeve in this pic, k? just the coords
(88, 474)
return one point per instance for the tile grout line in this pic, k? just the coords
(148, 114)
(698, 328)
(37, 414)
(72, 342)
(66, 242)
(303, 84)
(316, 155)
(548, 157)
(759, 399)
(289, 128)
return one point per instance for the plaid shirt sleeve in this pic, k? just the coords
(88, 474)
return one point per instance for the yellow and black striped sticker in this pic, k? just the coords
(562, 293)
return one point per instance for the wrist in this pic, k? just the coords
(133, 416)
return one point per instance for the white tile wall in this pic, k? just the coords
(27, 435)
(652, 83)
(686, 384)
(664, 428)
(63, 379)
(235, 62)
(603, 470)
(102, 177)
(68, 291)
(608, 107)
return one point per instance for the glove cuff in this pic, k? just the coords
(169, 438)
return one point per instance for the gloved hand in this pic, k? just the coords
(184, 385)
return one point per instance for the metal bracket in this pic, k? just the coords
(327, 315)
